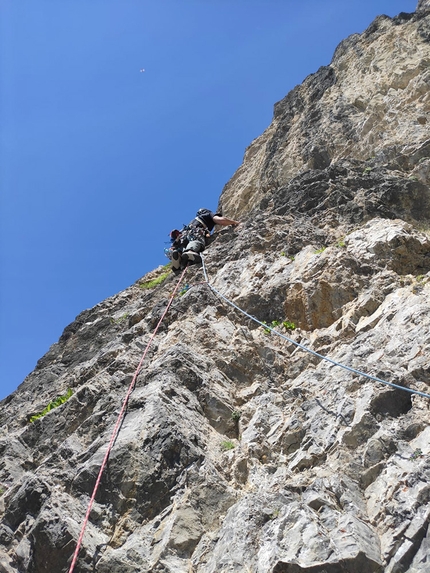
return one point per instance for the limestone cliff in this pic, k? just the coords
(370, 104)
(241, 451)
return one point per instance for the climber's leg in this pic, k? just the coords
(191, 254)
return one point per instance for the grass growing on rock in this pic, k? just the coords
(120, 319)
(227, 445)
(417, 454)
(287, 324)
(54, 404)
(154, 282)
(235, 415)
(420, 278)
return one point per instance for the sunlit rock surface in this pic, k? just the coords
(240, 451)
(369, 105)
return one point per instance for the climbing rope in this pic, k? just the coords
(118, 424)
(138, 369)
(326, 358)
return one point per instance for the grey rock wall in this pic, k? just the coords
(241, 451)
(370, 104)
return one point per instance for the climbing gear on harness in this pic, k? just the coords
(199, 229)
(196, 232)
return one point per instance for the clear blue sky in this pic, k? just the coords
(98, 161)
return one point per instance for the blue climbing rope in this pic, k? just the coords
(334, 362)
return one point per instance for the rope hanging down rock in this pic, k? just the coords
(334, 362)
(118, 424)
(132, 384)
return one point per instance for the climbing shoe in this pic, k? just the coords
(190, 258)
(176, 261)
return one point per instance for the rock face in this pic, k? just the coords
(240, 450)
(369, 105)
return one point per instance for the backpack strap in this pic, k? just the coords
(202, 223)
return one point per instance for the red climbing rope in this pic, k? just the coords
(117, 425)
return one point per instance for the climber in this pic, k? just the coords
(192, 240)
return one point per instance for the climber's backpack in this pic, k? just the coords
(203, 212)
(205, 218)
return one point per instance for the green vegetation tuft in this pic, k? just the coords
(418, 453)
(272, 325)
(54, 404)
(235, 415)
(155, 282)
(287, 324)
(120, 319)
(319, 251)
(227, 445)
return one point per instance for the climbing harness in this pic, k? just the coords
(326, 358)
(118, 424)
(188, 233)
(197, 230)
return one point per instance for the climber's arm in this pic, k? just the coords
(218, 220)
